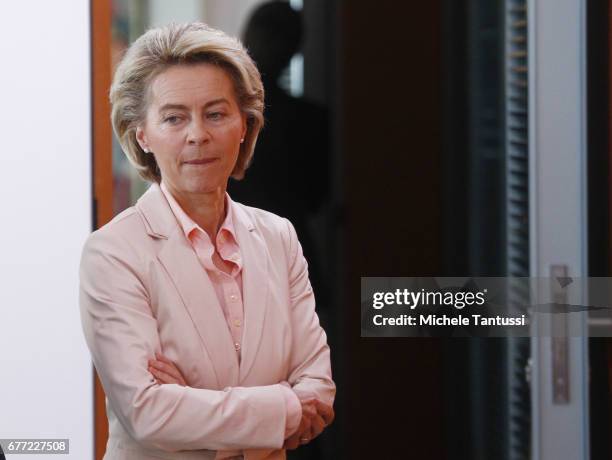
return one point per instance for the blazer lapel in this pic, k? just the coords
(193, 285)
(254, 286)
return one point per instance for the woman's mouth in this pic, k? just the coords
(200, 162)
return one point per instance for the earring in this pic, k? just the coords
(146, 150)
(242, 140)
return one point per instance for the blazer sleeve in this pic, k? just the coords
(121, 333)
(310, 371)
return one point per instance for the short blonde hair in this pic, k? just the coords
(182, 44)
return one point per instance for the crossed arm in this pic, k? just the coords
(316, 415)
(121, 333)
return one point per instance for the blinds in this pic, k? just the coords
(517, 138)
(517, 218)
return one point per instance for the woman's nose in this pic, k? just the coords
(197, 134)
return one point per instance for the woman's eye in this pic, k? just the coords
(215, 115)
(172, 119)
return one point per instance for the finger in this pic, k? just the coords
(292, 442)
(309, 409)
(325, 411)
(305, 438)
(163, 367)
(304, 428)
(317, 426)
(306, 433)
(175, 368)
(163, 377)
(168, 369)
(167, 361)
(307, 421)
(163, 358)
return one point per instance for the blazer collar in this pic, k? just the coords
(197, 292)
(160, 221)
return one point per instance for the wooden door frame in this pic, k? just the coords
(102, 166)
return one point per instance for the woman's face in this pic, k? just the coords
(193, 126)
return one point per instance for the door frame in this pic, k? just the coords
(558, 212)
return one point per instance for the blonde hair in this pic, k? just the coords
(182, 44)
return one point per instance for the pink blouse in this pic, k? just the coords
(228, 286)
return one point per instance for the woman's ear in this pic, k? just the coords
(141, 138)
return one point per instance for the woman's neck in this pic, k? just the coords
(205, 209)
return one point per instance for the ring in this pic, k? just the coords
(304, 440)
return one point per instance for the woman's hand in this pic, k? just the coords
(324, 415)
(325, 411)
(165, 371)
(316, 415)
(303, 431)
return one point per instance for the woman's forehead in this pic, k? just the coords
(189, 84)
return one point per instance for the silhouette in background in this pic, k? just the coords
(289, 174)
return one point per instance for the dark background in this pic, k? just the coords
(417, 189)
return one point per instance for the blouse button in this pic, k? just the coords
(237, 346)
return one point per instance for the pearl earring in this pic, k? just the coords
(242, 140)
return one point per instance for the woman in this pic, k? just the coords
(197, 310)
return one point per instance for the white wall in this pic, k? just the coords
(45, 196)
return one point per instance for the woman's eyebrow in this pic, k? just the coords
(165, 107)
(216, 101)
(184, 107)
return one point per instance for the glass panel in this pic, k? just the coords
(486, 218)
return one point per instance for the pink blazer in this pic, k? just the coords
(143, 291)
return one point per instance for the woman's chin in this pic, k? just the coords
(203, 186)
